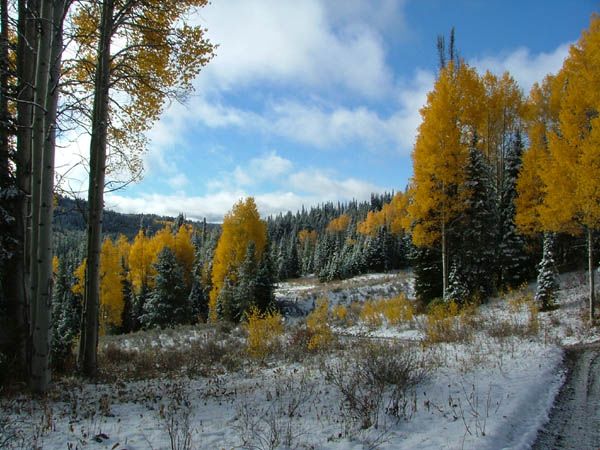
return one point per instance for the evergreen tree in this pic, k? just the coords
(547, 280)
(139, 302)
(198, 299)
(245, 289)
(427, 268)
(66, 309)
(128, 320)
(476, 233)
(263, 288)
(167, 303)
(224, 304)
(457, 288)
(512, 259)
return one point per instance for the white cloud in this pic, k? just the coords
(178, 181)
(308, 187)
(263, 168)
(324, 186)
(287, 41)
(71, 167)
(526, 68)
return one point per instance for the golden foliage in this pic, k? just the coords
(395, 311)
(111, 293)
(339, 224)
(450, 120)
(571, 182)
(54, 265)
(391, 216)
(240, 227)
(264, 331)
(340, 314)
(143, 254)
(307, 236)
(79, 287)
(441, 321)
(317, 324)
(141, 257)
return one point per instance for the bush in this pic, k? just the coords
(317, 325)
(447, 322)
(372, 376)
(397, 310)
(370, 314)
(340, 314)
(264, 332)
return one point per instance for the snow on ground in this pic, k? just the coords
(492, 391)
(298, 297)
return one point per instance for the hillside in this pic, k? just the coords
(485, 378)
(69, 215)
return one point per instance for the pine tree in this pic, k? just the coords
(512, 259)
(167, 303)
(244, 291)
(427, 270)
(476, 233)
(197, 299)
(457, 287)
(66, 309)
(263, 290)
(128, 320)
(547, 284)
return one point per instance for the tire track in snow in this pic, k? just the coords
(575, 416)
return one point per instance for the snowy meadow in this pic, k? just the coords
(354, 365)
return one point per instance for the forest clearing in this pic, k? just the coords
(483, 378)
(293, 225)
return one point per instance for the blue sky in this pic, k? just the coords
(316, 100)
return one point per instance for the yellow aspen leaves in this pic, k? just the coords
(339, 224)
(241, 226)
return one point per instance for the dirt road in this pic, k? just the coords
(575, 417)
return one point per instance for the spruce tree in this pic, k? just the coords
(128, 320)
(427, 267)
(66, 309)
(245, 289)
(475, 236)
(457, 288)
(166, 305)
(263, 289)
(547, 280)
(198, 299)
(513, 262)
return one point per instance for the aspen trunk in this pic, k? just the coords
(18, 287)
(444, 262)
(89, 332)
(39, 309)
(590, 243)
(42, 334)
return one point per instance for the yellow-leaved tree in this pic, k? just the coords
(571, 178)
(140, 262)
(111, 294)
(390, 216)
(339, 224)
(241, 227)
(440, 157)
(541, 116)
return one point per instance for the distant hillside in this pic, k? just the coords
(70, 214)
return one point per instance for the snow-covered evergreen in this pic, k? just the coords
(474, 237)
(167, 303)
(513, 261)
(547, 280)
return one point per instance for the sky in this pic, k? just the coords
(309, 101)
